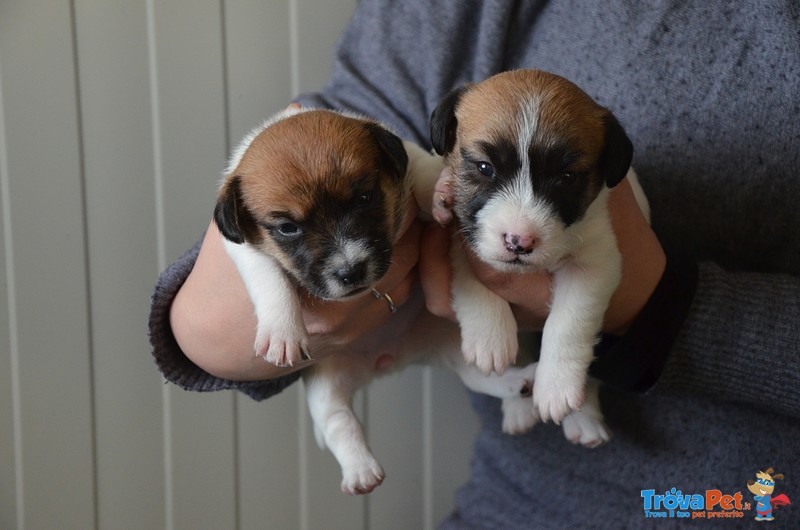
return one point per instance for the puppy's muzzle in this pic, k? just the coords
(521, 245)
(352, 275)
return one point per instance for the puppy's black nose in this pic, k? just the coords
(352, 274)
(520, 244)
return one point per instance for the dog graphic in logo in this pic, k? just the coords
(762, 489)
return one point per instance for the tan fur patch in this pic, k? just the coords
(490, 110)
(295, 161)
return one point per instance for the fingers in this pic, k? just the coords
(434, 270)
(643, 259)
(345, 321)
(442, 208)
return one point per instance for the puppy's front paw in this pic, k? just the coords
(519, 415)
(490, 354)
(281, 345)
(491, 348)
(362, 478)
(560, 388)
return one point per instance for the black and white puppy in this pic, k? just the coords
(315, 200)
(532, 158)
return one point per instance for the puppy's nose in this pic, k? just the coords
(520, 244)
(352, 274)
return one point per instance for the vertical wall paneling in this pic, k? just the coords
(190, 87)
(453, 429)
(118, 166)
(47, 235)
(398, 444)
(9, 353)
(116, 119)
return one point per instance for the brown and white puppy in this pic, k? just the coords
(532, 158)
(320, 199)
(315, 200)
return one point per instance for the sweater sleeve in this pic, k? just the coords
(741, 340)
(170, 359)
(731, 336)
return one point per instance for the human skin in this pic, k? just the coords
(643, 263)
(213, 321)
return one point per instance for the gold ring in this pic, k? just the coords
(385, 296)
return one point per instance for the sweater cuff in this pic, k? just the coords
(170, 359)
(635, 361)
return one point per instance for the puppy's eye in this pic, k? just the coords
(289, 229)
(363, 199)
(570, 177)
(486, 169)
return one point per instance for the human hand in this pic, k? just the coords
(529, 294)
(213, 321)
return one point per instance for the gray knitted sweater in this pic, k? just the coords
(709, 93)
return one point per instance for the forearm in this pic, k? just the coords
(168, 354)
(212, 318)
(741, 340)
(731, 336)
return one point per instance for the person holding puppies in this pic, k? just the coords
(700, 352)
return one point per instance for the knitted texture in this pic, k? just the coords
(172, 363)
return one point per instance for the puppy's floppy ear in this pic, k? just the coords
(444, 122)
(392, 149)
(231, 216)
(615, 158)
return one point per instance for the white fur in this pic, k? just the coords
(281, 336)
(410, 335)
(586, 267)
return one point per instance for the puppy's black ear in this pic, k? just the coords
(391, 145)
(444, 122)
(615, 158)
(231, 216)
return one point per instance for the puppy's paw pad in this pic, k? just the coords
(586, 429)
(519, 415)
(362, 478)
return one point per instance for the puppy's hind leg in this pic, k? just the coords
(514, 387)
(586, 426)
(330, 386)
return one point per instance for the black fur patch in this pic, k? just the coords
(617, 154)
(333, 219)
(444, 122)
(555, 174)
(232, 217)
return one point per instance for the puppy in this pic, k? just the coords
(315, 200)
(532, 159)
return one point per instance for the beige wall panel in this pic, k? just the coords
(191, 144)
(8, 356)
(395, 425)
(112, 53)
(44, 187)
